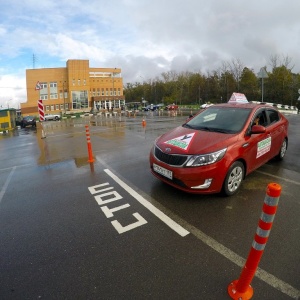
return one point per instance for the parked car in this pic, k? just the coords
(205, 105)
(172, 107)
(28, 121)
(214, 150)
(153, 107)
(49, 117)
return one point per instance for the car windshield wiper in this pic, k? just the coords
(187, 125)
(221, 130)
(212, 129)
(205, 128)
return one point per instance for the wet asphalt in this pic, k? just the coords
(74, 229)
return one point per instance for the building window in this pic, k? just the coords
(84, 82)
(44, 97)
(52, 107)
(53, 96)
(78, 81)
(56, 106)
(53, 84)
(106, 91)
(73, 82)
(61, 106)
(79, 99)
(47, 107)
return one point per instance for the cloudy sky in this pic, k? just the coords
(144, 38)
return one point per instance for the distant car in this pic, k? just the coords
(213, 151)
(205, 105)
(172, 107)
(153, 107)
(28, 121)
(52, 117)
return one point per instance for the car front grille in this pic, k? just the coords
(170, 159)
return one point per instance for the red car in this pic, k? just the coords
(172, 107)
(214, 151)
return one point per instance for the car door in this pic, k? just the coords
(276, 130)
(257, 146)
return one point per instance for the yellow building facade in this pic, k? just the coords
(7, 119)
(75, 88)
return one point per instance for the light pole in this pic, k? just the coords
(113, 87)
(143, 98)
(262, 74)
(64, 97)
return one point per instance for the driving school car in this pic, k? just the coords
(214, 151)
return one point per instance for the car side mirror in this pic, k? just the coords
(256, 129)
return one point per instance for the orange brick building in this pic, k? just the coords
(75, 88)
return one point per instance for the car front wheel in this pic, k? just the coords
(234, 178)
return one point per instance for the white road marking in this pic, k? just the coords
(239, 261)
(268, 278)
(278, 177)
(3, 190)
(163, 217)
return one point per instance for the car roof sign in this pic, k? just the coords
(238, 98)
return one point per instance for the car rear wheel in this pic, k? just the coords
(234, 178)
(282, 151)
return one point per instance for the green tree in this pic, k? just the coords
(249, 85)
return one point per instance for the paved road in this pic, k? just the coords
(110, 230)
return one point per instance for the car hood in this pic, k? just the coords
(188, 141)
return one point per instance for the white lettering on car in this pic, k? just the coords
(263, 147)
(105, 194)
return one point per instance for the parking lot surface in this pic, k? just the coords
(73, 229)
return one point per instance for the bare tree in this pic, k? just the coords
(236, 68)
(276, 61)
(286, 61)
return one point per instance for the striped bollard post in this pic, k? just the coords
(241, 289)
(89, 145)
(41, 110)
(41, 115)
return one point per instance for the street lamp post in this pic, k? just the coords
(64, 97)
(113, 87)
(262, 74)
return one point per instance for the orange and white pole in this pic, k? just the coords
(89, 145)
(241, 289)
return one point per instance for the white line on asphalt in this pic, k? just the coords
(3, 190)
(268, 278)
(163, 217)
(239, 261)
(19, 166)
(278, 177)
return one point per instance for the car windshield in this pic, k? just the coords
(220, 119)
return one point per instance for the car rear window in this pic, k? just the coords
(221, 119)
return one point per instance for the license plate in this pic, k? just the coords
(163, 171)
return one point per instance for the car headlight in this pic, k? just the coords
(205, 159)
